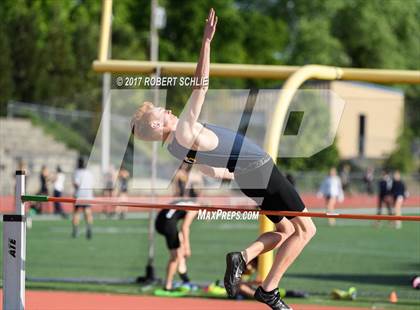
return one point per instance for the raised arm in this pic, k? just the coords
(186, 129)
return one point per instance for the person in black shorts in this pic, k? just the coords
(399, 193)
(83, 183)
(178, 242)
(385, 193)
(44, 179)
(186, 183)
(123, 178)
(222, 153)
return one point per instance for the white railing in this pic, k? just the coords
(17, 108)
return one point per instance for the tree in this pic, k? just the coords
(6, 79)
(401, 158)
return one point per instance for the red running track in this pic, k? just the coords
(55, 300)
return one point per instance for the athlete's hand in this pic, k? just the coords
(210, 29)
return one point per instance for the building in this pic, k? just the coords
(372, 119)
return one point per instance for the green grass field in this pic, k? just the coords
(354, 253)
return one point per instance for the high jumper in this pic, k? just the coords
(222, 153)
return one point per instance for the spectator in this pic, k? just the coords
(44, 178)
(108, 192)
(345, 179)
(123, 177)
(399, 193)
(186, 182)
(83, 185)
(368, 180)
(332, 190)
(385, 195)
(59, 179)
(180, 180)
(178, 243)
(194, 183)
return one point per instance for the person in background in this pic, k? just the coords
(180, 180)
(83, 186)
(194, 183)
(59, 180)
(123, 177)
(384, 194)
(399, 193)
(345, 179)
(368, 180)
(185, 187)
(186, 182)
(44, 178)
(332, 190)
(177, 242)
(109, 192)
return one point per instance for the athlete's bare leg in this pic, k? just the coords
(269, 240)
(289, 251)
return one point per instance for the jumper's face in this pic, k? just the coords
(160, 118)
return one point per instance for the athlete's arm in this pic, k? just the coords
(186, 131)
(217, 173)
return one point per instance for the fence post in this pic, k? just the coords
(14, 251)
(10, 106)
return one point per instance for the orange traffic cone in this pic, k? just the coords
(393, 298)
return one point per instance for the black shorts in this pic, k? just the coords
(278, 194)
(77, 207)
(167, 225)
(169, 230)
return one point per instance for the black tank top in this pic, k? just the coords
(398, 188)
(43, 181)
(233, 150)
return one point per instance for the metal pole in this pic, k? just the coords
(106, 96)
(106, 122)
(105, 36)
(154, 52)
(252, 71)
(14, 251)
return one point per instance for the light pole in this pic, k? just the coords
(157, 21)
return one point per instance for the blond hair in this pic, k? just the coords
(140, 123)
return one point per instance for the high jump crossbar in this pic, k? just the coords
(214, 208)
